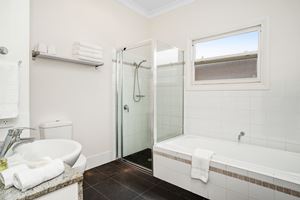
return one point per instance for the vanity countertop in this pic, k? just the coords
(69, 177)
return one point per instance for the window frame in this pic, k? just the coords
(259, 82)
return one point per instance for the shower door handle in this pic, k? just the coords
(126, 108)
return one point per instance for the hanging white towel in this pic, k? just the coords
(26, 179)
(6, 176)
(9, 87)
(200, 164)
(90, 46)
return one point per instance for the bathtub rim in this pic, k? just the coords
(222, 161)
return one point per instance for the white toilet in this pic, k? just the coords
(62, 130)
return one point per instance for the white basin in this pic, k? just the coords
(67, 150)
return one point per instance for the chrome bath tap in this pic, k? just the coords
(13, 138)
(241, 135)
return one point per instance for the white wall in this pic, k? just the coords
(79, 93)
(269, 118)
(14, 34)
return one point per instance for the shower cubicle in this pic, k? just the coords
(149, 99)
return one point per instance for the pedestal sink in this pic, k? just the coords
(67, 150)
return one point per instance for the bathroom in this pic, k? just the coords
(175, 87)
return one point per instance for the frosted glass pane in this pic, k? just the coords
(227, 70)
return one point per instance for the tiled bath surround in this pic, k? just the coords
(225, 182)
(269, 118)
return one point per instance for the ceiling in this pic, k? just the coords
(152, 8)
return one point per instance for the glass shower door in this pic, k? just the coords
(150, 99)
(136, 109)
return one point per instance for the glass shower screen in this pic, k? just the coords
(149, 99)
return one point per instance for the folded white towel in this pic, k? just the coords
(89, 59)
(26, 179)
(200, 164)
(77, 48)
(89, 55)
(87, 45)
(6, 176)
(9, 87)
(39, 162)
(17, 159)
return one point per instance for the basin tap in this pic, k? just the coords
(13, 138)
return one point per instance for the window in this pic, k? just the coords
(228, 58)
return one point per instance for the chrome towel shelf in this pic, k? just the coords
(37, 54)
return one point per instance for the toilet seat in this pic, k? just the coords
(80, 164)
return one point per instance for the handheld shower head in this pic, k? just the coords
(137, 97)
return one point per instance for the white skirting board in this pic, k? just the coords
(99, 159)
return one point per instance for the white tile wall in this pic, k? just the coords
(269, 118)
(216, 192)
(231, 195)
(237, 186)
(282, 196)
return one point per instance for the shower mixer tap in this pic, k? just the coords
(126, 108)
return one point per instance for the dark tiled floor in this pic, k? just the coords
(143, 158)
(120, 181)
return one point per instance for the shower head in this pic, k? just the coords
(138, 65)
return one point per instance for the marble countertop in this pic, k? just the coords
(69, 177)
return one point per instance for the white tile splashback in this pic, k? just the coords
(269, 118)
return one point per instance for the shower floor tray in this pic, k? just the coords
(142, 158)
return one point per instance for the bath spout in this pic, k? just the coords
(241, 135)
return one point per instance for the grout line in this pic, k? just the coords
(132, 174)
(100, 193)
(150, 188)
(125, 186)
(88, 185)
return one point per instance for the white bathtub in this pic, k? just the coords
(239, 170)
